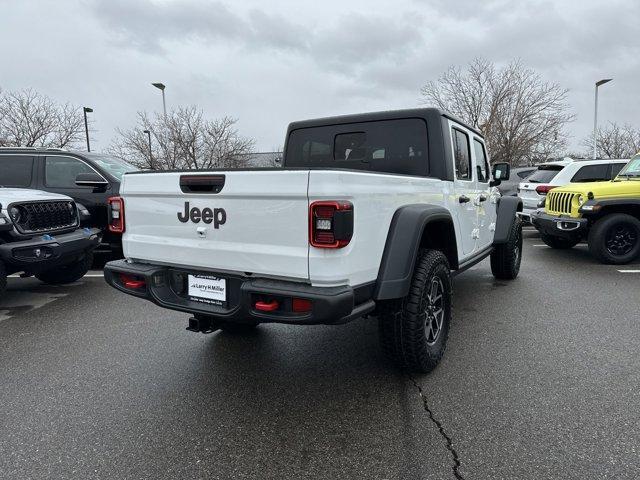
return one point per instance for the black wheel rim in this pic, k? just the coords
(434, 310)
(620, 239)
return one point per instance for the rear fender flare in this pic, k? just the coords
(404, 239)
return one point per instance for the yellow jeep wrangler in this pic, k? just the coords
(606, 213)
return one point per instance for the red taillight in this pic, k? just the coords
(267, 306)
(116, 214)
(330, 224)
(131, 281)
(301, 305)
(544, 189)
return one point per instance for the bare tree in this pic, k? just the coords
(522, 117)
(615, 141)
(183, 139)
(29, 119)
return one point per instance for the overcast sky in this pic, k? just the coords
(269, 63)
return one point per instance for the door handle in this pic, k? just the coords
(463, 199)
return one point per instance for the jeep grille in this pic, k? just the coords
(43, 217)
(560, 202)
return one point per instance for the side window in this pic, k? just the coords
(592, 173)
(482, 165)
(61, 172)
(462, 155)
(16, 170)
(615, 169)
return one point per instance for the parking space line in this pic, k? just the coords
(629, 271)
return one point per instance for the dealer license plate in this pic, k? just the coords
(207, 289)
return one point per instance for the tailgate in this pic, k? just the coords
(261, 220)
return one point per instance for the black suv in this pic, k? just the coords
(89, 178)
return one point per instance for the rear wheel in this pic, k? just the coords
(67, 273)
(506, 257)
(414, 330)
(560, 243)
(615, 239)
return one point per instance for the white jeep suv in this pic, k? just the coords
(556, 174)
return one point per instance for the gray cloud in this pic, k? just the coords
(270, 63)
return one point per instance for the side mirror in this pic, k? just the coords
(501, 171)
(90, 180)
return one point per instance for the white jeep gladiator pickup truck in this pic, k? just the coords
(370, 214)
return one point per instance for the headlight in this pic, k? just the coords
(14, 213)
(581, 200)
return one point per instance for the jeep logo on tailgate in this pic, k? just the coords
(218, 216)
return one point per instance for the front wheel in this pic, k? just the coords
(414, 330)
(67, 273)
(615, 239)
(506, 257)
(560, 243)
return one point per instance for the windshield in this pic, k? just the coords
(544, 173)
(631, 169)
(114, 165)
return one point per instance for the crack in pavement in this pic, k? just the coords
(447, 438)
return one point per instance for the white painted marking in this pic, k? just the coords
(629, 271)
(94, 275)
(539, 245)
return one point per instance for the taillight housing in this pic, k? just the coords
(543, 189)
(330, 224)
(132, 282)
(116, 214)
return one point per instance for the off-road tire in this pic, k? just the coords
(606, 227)
(3, 279)
(236, 328)
(506, 257)
(67, 273)
(559, 243)
(404, 324)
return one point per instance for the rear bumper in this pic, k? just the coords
(46, 252)
(330, 305)
(565, 227)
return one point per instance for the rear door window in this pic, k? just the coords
(545, 173)
(16, 170)
(462, 155)
(392, 146)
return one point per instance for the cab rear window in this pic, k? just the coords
(544, 173)
(392, 146)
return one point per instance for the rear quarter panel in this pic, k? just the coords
(375, 198)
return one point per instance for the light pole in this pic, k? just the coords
(161, 86)
(595, 117)
(148, 132)
(86, 110)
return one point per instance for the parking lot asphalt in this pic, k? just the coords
(540, 380)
